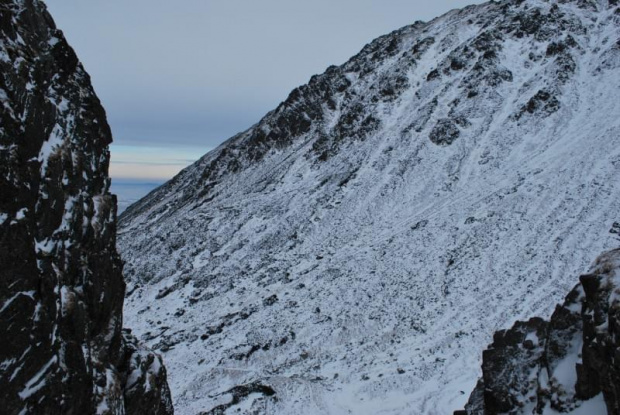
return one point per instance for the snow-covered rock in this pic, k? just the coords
(145, 387)
(61, 282)
(566, 365)
(355, 250)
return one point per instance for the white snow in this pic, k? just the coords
(566, 371)
(37, 381)
(532, 337)
(21, 214)
(50, 146)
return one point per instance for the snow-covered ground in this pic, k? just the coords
(357, 248)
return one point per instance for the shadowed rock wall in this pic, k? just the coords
(61, 282)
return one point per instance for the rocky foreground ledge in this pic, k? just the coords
(569, 364)
(61, 284)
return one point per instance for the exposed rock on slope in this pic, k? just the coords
(61, 283)
(570, 364)
(358, 246)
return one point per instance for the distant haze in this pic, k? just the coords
(181, 77)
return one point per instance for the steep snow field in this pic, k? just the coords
(355, 250)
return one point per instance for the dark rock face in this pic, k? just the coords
(445, 132)
(543, 102)
(561, 364)
(517, 350)
(145, 388)
(61, 283)
(240, 393)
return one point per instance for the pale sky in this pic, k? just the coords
(178, 78)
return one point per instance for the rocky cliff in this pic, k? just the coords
(568, 364)
(354, 250)
(61, 284)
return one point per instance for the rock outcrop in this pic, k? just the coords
(569, 364)
(61, 282)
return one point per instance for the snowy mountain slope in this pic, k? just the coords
(355, 250)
